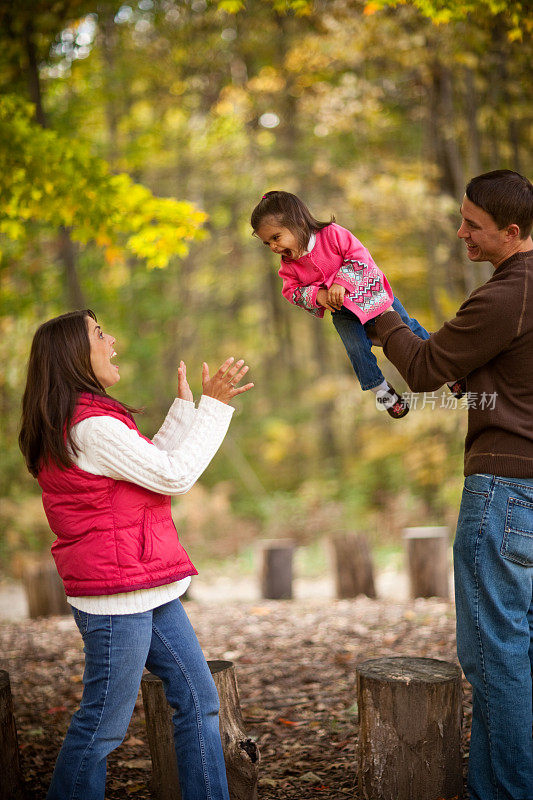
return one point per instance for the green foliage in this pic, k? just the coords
(517, 14)
(53, 181)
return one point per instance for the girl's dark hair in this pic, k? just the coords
(507, 196)
(288, 211)
(59, 368)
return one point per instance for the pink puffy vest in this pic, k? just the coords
(112, 536)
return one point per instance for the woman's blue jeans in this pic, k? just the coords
(493, 565)
(359, 347)
(117, 648)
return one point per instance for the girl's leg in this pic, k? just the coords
(176, 657)
(415, 326)
(116, 647)
(359, 348)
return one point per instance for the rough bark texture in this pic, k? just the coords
(11, 785)
(240, 753)
(410, 729)
(352, 561)
(427, 561)
(276, 569)
(44, 590)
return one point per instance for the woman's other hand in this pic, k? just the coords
(184, 390)
(223, 385)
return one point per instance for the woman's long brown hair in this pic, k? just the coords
(59, 368)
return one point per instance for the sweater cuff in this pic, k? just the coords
(387, 323)
(216, 406)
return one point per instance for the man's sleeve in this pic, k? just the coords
(485, 325)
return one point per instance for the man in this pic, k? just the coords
(490, 341)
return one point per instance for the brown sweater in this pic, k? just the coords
(490, 342)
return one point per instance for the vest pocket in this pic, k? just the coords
(517, 542)
(147, 538)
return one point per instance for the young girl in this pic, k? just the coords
(323, 266)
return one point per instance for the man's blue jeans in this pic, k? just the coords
(359, 347)
(117, 648)
(493, 564)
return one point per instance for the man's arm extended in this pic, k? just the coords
(484, 325)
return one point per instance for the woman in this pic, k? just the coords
(106, 492)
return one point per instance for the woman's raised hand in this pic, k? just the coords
(223, 385)
(184, 390)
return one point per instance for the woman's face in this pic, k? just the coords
(102, 351)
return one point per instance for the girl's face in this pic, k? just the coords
(280, 240)
(102, 351)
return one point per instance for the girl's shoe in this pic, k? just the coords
(395, 405)
(458, 388)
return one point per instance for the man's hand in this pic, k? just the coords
(336, 295)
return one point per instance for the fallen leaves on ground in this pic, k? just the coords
(296, 669)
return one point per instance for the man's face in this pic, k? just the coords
(483, 240)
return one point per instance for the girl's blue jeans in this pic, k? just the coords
(359, 347)
(117, 648)
(493, 565)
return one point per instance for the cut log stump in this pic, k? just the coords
(11, 783)
(428, 561)
(352, 562)
(44, 590)
(276, 569)
(241, 754)
(410, 729)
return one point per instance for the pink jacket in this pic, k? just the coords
(337, 257)
(112, 536)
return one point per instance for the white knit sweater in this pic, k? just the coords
(184, 446)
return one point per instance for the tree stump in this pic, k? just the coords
(44, 590)
(427, 561)
(240, 753)
(276, 569)
(410, 729)
(11, 783)
(354, 572)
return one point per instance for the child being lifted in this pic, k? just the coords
(323, 266)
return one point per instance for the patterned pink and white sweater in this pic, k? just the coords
(337, 257)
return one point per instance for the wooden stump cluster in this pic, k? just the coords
(410, 729)
(241, 754)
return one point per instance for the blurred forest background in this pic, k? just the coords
(136, 138)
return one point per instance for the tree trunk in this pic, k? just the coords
(66, 249)
(354, 573)
(427, 561)
(276, 569)
(34, 83)
(67, 256)
(11, 784)
(410, 729)
(44, 590)
(240, 753)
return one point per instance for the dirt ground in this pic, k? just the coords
(296, 669)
